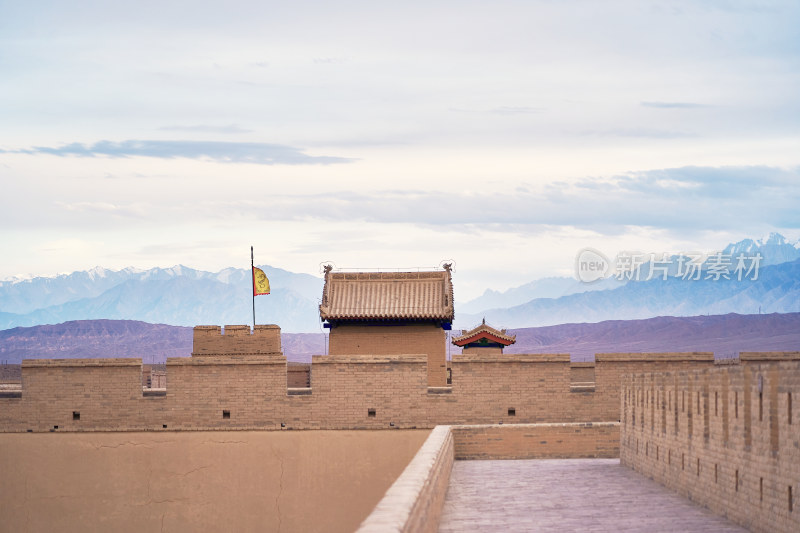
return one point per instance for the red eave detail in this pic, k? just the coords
(481, 335)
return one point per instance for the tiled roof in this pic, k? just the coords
(484, 331)
(387, 295)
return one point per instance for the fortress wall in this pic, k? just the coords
(298, 375)
(428, 339)
(582, 372)
(726, 437)
(485, 387)
(537, 441)
(345, 388)
(253, 390)
(77, 394)
(610, 367)
(761, 357)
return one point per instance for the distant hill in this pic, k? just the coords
(725, 335)
(722, 334)
(93, 339)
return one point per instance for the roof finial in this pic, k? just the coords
(484, 321)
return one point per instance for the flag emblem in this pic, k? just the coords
(260, 282)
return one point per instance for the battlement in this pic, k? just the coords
(654, 357)
(726, 436)
(264, 340)
(239, 380)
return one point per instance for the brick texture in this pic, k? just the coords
(727, 437)
(537, 441)
(428, 339)
(249, 387)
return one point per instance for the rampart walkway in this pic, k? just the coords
(567, 495)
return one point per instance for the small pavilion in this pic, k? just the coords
(484, 339)
(390, 313)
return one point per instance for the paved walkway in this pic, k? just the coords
(567, 495)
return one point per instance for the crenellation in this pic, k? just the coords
(263, 340)
(337, 391)
(743, 454)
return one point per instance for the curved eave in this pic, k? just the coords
(475, 337)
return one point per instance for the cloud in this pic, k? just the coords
(329, 60)
(226, 152)
(231, 128)
(510, 110)
(674, 105)
(687, 199)
(648, 133)
(500, 110)
(105, 208)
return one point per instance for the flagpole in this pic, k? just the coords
(253, 276)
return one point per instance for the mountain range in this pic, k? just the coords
(178, 296)
(722, 334)
(183, 296)
(774, 249)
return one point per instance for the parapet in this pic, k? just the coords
(668, 357)
(768, 356)
(81, 363)
(263, 340)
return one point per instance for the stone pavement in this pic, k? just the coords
(567, 495)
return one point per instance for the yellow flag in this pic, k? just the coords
(260, 282)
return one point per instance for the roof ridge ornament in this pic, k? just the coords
(447, 264)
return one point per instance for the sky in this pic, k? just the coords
(504, 136)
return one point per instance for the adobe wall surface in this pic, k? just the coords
(324, 481)
(414, 501)
(727, 438)
(428, 339)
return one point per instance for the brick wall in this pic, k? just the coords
(537, 441)
(298, 375)
(610, 367)
(66, 394)
(727, 437)
(214, 390)
(224, 392)
(265, 339)
(364, 392)
(510, 388)
(428, 339)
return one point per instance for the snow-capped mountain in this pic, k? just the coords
(774, 249)
(183, 296)
(179, 296)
